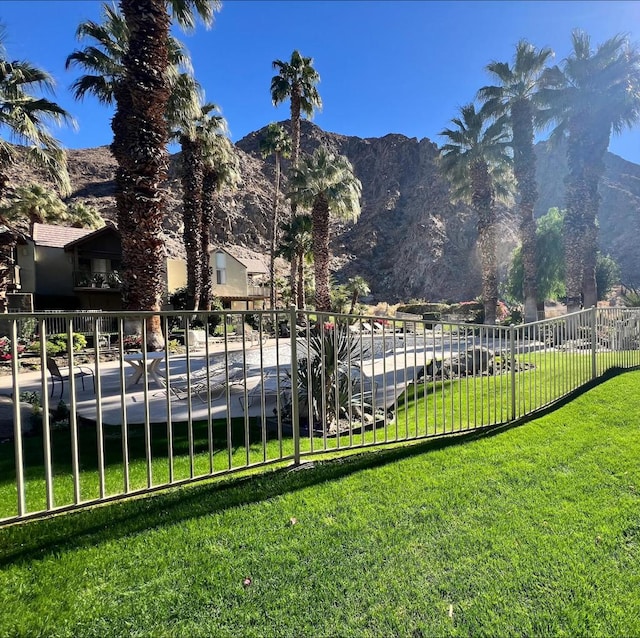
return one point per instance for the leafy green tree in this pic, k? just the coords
(516, 97)
(296, 245)
(476, 162)
(357, 287)
(594, 94)
(325, 183)
(277, 143)
(550, 273)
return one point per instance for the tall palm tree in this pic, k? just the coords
(84, 216)
(358, 287)
(296, 245)
(185, 114)
(221, 170)
(296, 81)
(476, 161)
(516, 97)
(277, 143)
(594, 94)
(325, 183)
(25, 117)
(139, 146)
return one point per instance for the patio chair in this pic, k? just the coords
(207, 381)
(271, 386)
(198, 339)
(60, 374)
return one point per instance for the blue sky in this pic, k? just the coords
(385, 66)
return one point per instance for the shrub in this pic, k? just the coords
(57, 344)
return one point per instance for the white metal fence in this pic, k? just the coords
(234, 391)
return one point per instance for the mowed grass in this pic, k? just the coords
(527, 531)
(426, 409)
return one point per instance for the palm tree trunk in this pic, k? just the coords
(209, 186)
(525, 172)
(482, 201)
(192, 181)
(293, 279)
(589, 286)
(274, 236)
(301, 301)
(144, 164)
(320, 232)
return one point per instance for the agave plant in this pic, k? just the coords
(328, 376)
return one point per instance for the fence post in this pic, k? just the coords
(295, 409)
(594, 341)
(512, 367)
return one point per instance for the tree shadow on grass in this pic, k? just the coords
(73, 530)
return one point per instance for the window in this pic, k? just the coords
(221, 269)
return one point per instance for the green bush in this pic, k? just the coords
(57, 344)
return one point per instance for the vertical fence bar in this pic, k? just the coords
(17, 424)
(295, 408)
(512, 367)
(594, 342)
(99, 426)
(73, 419)
(46, 431)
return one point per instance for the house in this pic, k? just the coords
(240, 277)
(78, 268)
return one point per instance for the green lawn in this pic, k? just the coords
(426, 410)
(531, 531)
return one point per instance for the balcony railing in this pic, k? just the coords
(97, 279)
(258, 291)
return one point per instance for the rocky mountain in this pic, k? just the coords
(411, 241)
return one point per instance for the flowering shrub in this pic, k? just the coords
(132, 341)
(5, 349)
(328, 325)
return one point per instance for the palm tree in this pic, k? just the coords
(30, 205)
(296, 245)
(277, 143)
(34, 204)
(326, 183)
(185, 114)
(296, 80)
(139, 146)
(24, 118)
(221, 169)
(358, 287)
(84, 216)
(475, 159)
(595, 93)
(516, 97)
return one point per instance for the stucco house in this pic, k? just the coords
(79, 269)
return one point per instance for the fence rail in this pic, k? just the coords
(120, 419)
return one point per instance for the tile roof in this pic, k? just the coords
(254, 262)
(56, 236)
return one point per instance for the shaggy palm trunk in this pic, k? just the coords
(482, 202)
(300, 287)
(524, 162)
(295, 136)
(293, 278)
(209, 190)
(7, 250)
(320, 238)
(576, 199)
(143, 157)
(274, 235)
(354, 301)
(192, 180)
(594, 171)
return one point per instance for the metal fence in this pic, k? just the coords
(235, 391)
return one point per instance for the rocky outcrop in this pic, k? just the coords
(411, 241)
